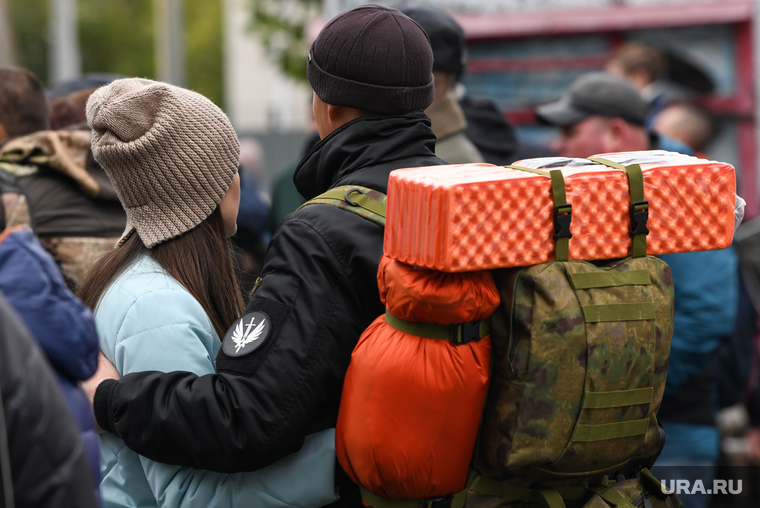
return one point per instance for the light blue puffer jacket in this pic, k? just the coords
(147, 321)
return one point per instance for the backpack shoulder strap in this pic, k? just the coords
(362, 201)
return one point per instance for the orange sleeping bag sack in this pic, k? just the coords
(414, 392)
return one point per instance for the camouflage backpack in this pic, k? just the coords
(580, 355)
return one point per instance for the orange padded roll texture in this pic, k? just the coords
(411, 406)
(479, 217)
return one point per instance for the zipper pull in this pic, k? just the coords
(256, 286)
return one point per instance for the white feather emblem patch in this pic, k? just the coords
(242, 338)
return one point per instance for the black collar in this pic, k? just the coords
(365, 141)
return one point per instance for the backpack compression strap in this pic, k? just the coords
(563, 211)
(458, 334)
(362, 201)
(639, 208)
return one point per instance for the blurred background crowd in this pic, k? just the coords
(693, 61)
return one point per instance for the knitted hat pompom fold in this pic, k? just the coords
(170, 153)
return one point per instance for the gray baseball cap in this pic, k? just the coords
(596, 93)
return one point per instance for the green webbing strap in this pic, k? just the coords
(562, 243)
(357, 197)
(592, 433)
(613, 497)
(354, 198)
(376, 501)
(562, 211)
(619, 398)
(529, 170)
(458, 334)
(589, 280)
(638, 204)
(618, 312)
(554, 497)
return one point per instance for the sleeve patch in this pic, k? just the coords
(247, 334)
(250, 338)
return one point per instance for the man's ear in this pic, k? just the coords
(3, 133)
(335, 116)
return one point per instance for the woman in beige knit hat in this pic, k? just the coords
(167, 293)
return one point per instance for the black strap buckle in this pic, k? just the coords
(466, 333)
(639, 212)
(438, 502)
(351, 191)
(563, 215)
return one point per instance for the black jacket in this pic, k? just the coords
(319, 290)
(48, 463)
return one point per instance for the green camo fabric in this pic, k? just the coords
(549, 415)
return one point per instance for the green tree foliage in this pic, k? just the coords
(204, 48)
(282, 26)
(29, 24)
(116, 36)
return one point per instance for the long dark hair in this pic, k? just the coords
(199, 259)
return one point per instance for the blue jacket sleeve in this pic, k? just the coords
(167, 330)
(706, 287)
(62, 325)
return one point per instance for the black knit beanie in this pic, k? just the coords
(375, 59)
(446, 38)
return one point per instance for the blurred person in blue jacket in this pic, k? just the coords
(707, 289)
(62, 325)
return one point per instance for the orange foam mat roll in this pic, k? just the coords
(411, 406)
(479, 217)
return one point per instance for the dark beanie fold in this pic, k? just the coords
(375, 59)
(386, 100)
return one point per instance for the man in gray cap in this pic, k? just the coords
(602, 113)
(281, 365)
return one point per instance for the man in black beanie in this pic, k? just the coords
(371, 71)
(449, 62)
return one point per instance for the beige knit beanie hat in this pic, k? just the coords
(170, 153)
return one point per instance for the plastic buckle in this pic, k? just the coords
(351, 191)
(639, 212)
(563, 215)
(466, 333)
(438, 502)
